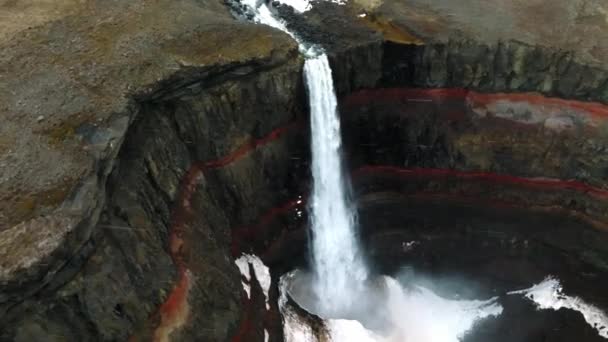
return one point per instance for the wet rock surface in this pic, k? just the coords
(467, 248)
(472, 250)
(510, 66)
(453, 130)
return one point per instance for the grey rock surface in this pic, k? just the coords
(72, 84)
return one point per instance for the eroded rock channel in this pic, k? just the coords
(477, 161)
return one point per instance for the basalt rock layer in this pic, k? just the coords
(144, 146)
(106, 113)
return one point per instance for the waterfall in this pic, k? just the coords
(337, 261)
(338, 266)
(379, 309)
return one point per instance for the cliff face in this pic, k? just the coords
(509, 66)
(93, 246)
(195, 166)
(496, 46)
(146, 145)
(198, 159)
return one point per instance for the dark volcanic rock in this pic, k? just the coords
(496, 45)
(118, 119)
(459, 131)
(130, 273)
(510, 66)
(354, 50)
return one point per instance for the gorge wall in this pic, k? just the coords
(164, 152)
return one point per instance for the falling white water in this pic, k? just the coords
(337, 263)
(338, 266)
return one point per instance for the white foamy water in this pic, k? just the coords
(263, 15)
(413, 314)
(549, 295)
(418, 314)
(305, 5)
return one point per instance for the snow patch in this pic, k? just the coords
(305, 5)
(247, 289)
(262, 274)
(549, 295)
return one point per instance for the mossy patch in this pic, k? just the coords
(390, 31)
(24, 207)
(66, 130)
(5, 144)
(209, 47)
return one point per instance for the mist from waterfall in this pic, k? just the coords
(338, 266)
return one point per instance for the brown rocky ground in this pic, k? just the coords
(70, 86)
(74, 77)
(19, 15)
(580, 26)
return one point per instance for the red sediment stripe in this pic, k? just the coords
(246, 327)
(176, 301)
(177, 297)
(593, 108)
(538, 183)
(474, 99)
(366, 96)
(243, 233)
(248, 147)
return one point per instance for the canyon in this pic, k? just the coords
(146, 146)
